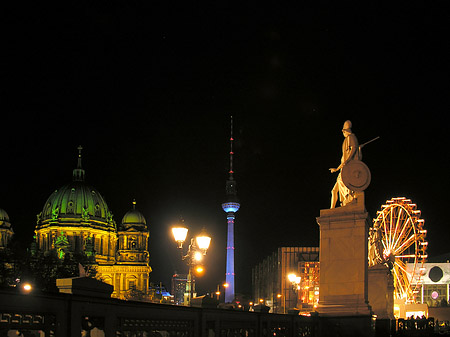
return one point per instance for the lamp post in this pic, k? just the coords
(295, 281)
(218, 292)
(196, 250)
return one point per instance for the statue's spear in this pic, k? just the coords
(370, 141)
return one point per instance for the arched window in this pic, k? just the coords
(98, 211)
(70, 208)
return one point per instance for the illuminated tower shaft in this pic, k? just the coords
(231, 206)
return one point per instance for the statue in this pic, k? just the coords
(350, 151)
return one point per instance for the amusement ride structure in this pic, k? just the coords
(397, 240)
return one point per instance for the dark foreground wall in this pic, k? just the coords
(76, 315)
(439, 313)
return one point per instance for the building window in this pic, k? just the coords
(98, 211)
(70, 209)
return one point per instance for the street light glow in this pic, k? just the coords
(27, 287)
(198, 256)
(203, 240)
(197, 248)
(294, 279)
(179, 233)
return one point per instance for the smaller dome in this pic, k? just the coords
(4, 220)
(133, 218)
(3, 215)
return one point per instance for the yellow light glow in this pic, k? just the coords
(27, 287)
(203, 240)
(226, 285)
(198, 256)
(291, 277)
(179, 233)
(199, 269)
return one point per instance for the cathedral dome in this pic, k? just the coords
(133, 218)
(77, 204)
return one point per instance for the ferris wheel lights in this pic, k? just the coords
(398, 234)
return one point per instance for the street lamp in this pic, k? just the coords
(195, 252)
(218, 292)
(295, 281)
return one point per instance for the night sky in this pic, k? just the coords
(148, 88)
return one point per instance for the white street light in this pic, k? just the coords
(197, 248)
(179, 233)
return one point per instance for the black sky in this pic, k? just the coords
(147, 88)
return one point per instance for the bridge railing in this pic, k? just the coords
(39, 314)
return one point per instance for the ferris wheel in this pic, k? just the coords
(397, 239)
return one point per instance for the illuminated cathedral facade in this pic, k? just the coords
(76, 219)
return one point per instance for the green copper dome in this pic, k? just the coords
(76, 203)
(133, 218)
(3, 215)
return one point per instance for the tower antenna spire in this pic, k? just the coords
(231, 148)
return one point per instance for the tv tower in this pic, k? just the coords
(231, 206)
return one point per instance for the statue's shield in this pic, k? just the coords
(356, 175)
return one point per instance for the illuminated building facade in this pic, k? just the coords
(76, 218)
(271, 285)
(6, 231)
(435, 284)
(230, 206)
(179, 282)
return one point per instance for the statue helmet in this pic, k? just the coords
(347, 126)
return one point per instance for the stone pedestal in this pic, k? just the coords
(381, 298)
(381, 292)
(343, 261)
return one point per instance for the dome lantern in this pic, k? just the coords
(79, 173)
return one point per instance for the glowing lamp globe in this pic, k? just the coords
(294, 278)
(203, 241)
(198, 256)
(179, 233)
